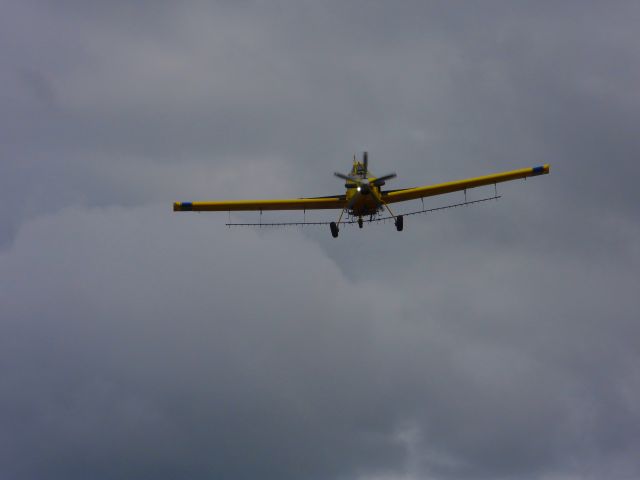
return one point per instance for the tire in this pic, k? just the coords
(399, 223)
(360, 222)
(334, 229)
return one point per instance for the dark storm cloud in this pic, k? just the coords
(147, 352)
(481, 343)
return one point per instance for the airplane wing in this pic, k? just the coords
(392, 196)
(316, 203)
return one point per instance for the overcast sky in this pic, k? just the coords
(498, 341)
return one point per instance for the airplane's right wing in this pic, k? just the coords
(405, 194)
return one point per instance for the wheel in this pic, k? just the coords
(360, 222)
(399, 223)
(334, 229)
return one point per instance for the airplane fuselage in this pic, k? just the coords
(366, 204)
(362, 195)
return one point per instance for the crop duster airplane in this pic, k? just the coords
(364, 197)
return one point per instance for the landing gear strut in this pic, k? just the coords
(334, 229)
(399, 223)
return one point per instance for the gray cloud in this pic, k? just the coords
(149, 349)
(493, 342)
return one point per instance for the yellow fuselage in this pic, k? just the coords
(366, 204)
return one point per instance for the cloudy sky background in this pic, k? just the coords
(497, 341)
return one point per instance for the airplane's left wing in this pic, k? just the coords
(317, 203)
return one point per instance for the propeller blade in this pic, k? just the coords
(376, 197)
(380, 180)
(365, 161)
(353, 200)
(343, 176)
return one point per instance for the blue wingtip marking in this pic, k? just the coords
(538, 170)
(186, 206)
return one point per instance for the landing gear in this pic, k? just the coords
(360, 222)
(399, 223)
(334, 229)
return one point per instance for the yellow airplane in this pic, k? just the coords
(363, 197)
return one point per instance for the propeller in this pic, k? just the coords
(365, 185)
(345, 177)
(379, 181)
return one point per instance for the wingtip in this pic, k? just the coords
(541, 170)
(182, 206)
